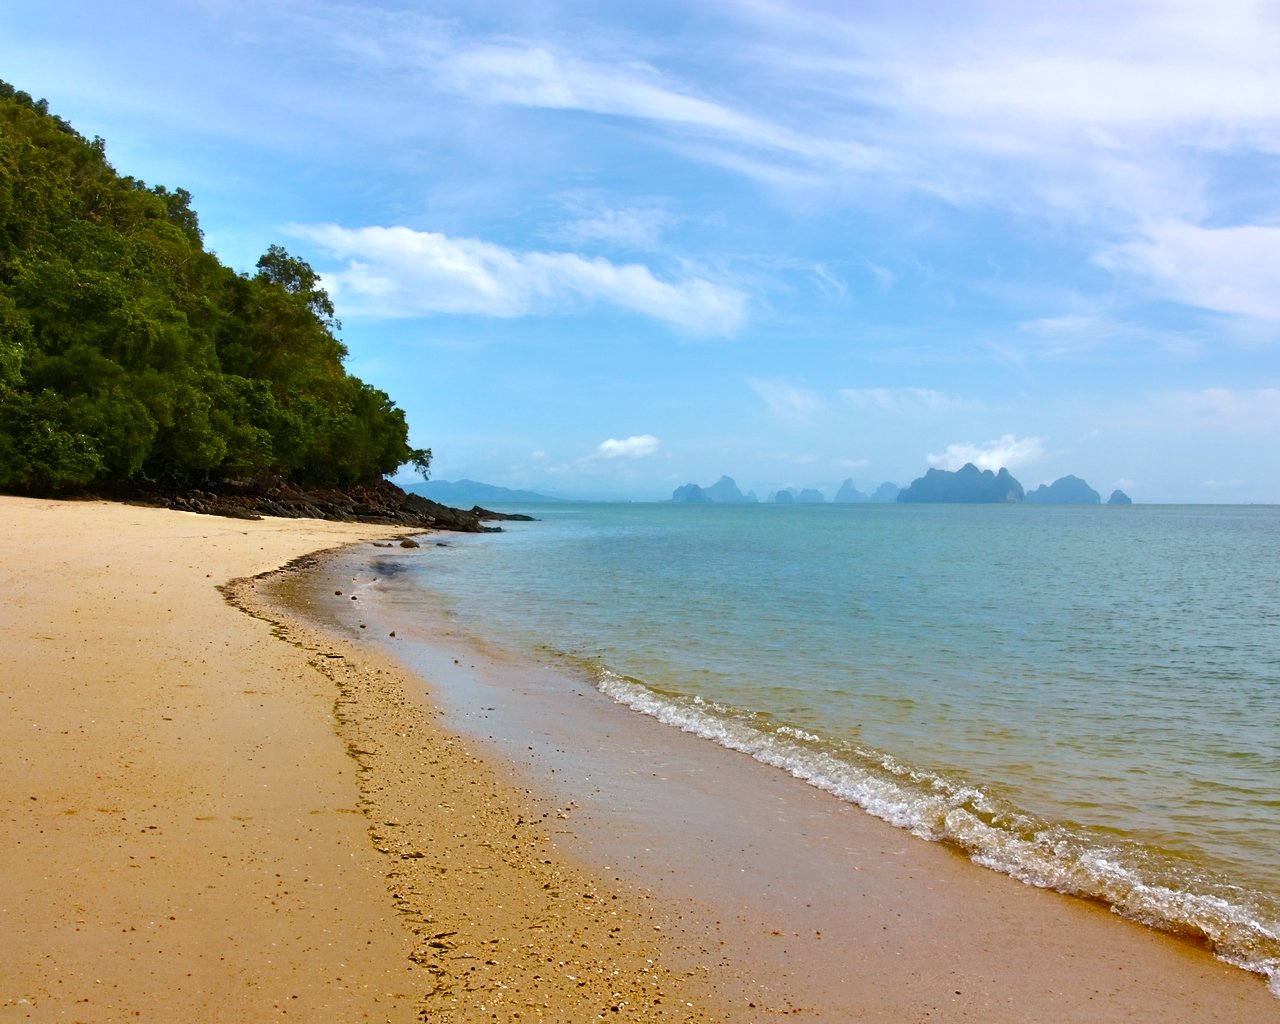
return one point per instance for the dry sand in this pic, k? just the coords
(215, 816)
(183, 834)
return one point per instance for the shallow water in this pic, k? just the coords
(1084, 698)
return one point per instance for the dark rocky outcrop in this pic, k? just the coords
(1118, 497)
(1067, 490)
(967, 485)
(382, 502)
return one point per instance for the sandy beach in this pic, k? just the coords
(219, 816)
(186, 835)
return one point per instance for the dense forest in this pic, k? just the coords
(131, 357)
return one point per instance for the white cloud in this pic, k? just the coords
(1104, 108)
(786, 400)
(905, 401)
(1230, 270)
(637, 447)
(1108, 110)
(1157, 65)
(399, 272)
(1007, 452)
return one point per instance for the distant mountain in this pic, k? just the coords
(1118, 497)
(723, 492)
(848, 493)
(1067, 490)
(792, 496)
(886, 493)
(967, 485)
(691, 494)
(467, 493)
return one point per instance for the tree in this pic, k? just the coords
(296, 277)
(129, 354)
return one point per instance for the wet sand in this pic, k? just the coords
(791, 899)
(210, 815)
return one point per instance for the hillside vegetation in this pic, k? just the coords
(131, 357)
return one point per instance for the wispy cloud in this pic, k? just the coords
(1007, 452)
(1253, 411)
(639, 446)
(883, 276)
(532, 75)
(1155, 67)
(1081, 335)
(398, 272)
(1029, 109)
(785, 399)
(1230, 270)
(1108, 111)
(629, 227)
(906, 401)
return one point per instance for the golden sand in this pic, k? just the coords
(209, 815)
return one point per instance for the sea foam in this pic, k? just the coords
(1136, 883)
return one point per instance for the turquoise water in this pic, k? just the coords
(1087, 699)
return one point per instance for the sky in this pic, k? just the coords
(603, 249)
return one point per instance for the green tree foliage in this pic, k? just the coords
(129, 354)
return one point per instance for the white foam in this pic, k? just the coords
(937, 808)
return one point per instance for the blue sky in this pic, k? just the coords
(609, 248)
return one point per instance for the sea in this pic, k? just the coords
(1086, 698)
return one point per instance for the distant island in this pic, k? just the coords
(466, 493)
(966, 485)
(970, 485)
(886, 493)
(790, 496)
(725, 491)
(1067, 490)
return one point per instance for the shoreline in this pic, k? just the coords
(204, 821)
(503, 921)
(187, 834)
(777, 875)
